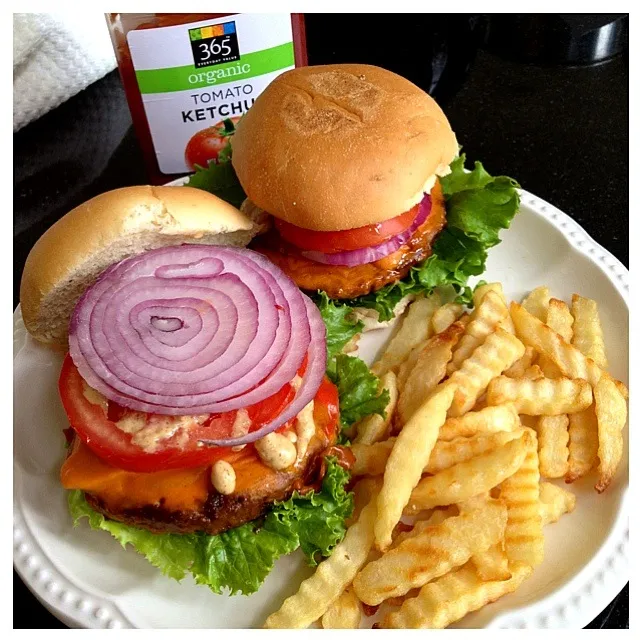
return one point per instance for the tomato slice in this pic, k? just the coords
(349, 239)
(98, 428)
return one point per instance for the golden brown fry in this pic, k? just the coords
(331, 578)
(571, 362)
(554, 501)
(415, 329)
(553, 450)
(343, 613)
(548, 397)
(438, 516)
(447, 453)
(484, 320)
(534, 372)
(475, 502)
(449, 336)
(364, 491)
(583, 443)
(498, 352)
(529, 421)
(523, 537)
(467, 479)
(374, 427)
(622, 388)
(398, 601)
(480, 292)
(429, 369)
(587, 330)
(559, 318)
(492, 564)
(488, 420)
(451, 597)
(611, 412)
(537, 303)
(445, 316)
(548, 368)
(408, 458)
(431, 553)
(372, 459)
(507, 325)
(517, 369)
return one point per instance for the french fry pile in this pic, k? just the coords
(451, 487)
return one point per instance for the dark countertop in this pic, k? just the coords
(561, 131)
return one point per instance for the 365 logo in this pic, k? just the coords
(214, 44)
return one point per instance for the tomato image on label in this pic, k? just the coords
(208, 145)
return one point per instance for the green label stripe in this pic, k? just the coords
(250, 65)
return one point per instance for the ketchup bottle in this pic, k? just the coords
(189, 77)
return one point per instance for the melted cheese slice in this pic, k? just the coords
(181, 489)
(178, 489)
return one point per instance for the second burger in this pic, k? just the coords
(351, 162)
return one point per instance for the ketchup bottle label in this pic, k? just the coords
(195, 78)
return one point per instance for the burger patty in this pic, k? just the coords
(221, 513)
(341, 282)
(257, 487)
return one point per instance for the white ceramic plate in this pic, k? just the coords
(87, 580)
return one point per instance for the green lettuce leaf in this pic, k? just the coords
(478, 206)
(340, 327)
(358, 390)
(173, 554)
(318, 518)
(220, 179)
(357, 385)
(240, 559)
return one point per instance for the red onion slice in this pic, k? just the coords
(377, 252)
(308, 388)
(197, 329)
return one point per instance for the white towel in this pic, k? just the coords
(56, 55)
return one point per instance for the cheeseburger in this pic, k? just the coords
(348, 160)
(194, 385)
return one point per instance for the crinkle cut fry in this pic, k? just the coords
(523, 538)
(330, 579)
(407, 459)
(431, 553)
(471, 478)
(451, 597)
(496, 354)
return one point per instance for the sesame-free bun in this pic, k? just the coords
(108, 228)
(341, 146)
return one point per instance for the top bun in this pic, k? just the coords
(115, 225)
(341, 146)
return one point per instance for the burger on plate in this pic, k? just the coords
(201, 421)
(360, 170)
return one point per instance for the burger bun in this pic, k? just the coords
(113, 226)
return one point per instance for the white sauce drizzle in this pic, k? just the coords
(241, 424)
(240, 428)
(223, 477)
(150, 430)
(94, 397)
(305, 429)
(276, 451)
